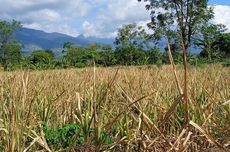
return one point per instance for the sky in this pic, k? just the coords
(98, 18)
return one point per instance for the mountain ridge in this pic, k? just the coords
(32, 39)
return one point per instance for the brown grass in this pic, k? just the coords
(135, 101)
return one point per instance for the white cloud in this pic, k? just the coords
(47, 15)
(99, 18)
(121, 12)
(114, 15)
(222, 15)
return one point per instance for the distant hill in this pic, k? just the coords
(32, 39)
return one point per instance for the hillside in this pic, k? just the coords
(32, 39)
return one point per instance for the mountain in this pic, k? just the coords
(32, 39)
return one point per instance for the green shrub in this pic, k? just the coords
(227, 63)
(198, 62)
(63, 137)
(69, 135)
(159, 63)
(41, 57)
(80, 65)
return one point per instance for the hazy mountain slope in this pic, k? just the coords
(36, 39)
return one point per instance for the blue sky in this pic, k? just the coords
(220, 2)
(99, 18)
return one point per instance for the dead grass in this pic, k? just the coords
(132, 104)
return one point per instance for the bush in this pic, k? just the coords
(226, 63)
(63, 137)
(41, 57)
(80, 65)
(69, 135)
(198, 62)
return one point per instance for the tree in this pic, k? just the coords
(41, 57)
(73, 56)
(13, 53)
(131, 43)
(223, 44)
(82, 56)
(6, 39)
(107, 55)
(132, 35)
(93, 55)
(210, 41)
(67, 45)
(51, 53)
(130, 56)
(189, 15)
(174, 43)
(183, 16)
(154, 56)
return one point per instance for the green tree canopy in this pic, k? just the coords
(13, 53)
(131, 43)
(82, 56)
(107, 55)
(183, 16)
(132, 35)
(223, 44)
(41, 57)
(131, 56)
(67, 45)
(210, 41)
(7, 41)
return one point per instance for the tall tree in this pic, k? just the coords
(107, 55)
(14, 53)
(223, 44)
(184, 16)
(131, 42)
(67, 45)
(210, 40)
(6, 38)
(84, 56)
(132, 35)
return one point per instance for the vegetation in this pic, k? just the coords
(183, 17)
(8, 47)
(140, 107)
(209, 43)
(133, 46)
(125, 109)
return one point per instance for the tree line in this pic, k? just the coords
(182, 25)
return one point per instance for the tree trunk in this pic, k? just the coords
(5, 65)
(4, 55)
(4, 60)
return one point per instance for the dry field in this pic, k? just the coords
(131, 105)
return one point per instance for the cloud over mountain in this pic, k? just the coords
(99, 18)
(48, 15)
